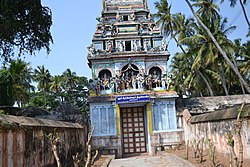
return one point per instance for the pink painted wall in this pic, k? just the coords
(216, 132)
(24, 142)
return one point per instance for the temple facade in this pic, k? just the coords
(132, 108)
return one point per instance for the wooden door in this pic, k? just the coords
(133, 129)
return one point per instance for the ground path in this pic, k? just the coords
(162, 160)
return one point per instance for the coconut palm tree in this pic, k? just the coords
(69, 79)
(56, 87)
(69, 84)
(6, 90)
(169, 23)
(211, 55)
(21, 72)
(43, 77)
(179, 72)
(177, 25)
(187, 28)
(245, 67)
(208, 11)
(243, 58)
(222, 52)
(198, 66)
(56, 84)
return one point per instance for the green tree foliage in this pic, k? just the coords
(201, 69)
(24, 26)
(168, 22)
(73, 89)
(222, 52)
(22, 77)
(43, 77)
(51, 91)
(6, 95)
(67, 88)
(41, 100)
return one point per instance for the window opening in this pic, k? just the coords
(125, 18)
(128, 45)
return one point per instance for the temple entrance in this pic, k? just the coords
(133, 130)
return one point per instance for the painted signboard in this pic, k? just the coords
(123, 1)
(132, 99)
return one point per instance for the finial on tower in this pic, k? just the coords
(103, 4)
(146, 4)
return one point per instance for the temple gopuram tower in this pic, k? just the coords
(131, 106)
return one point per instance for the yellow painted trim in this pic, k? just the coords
(118, 120)
(150, 119)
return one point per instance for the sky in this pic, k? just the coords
(74, 24)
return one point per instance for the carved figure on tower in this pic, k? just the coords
(132, 16)
(91, 50)
(118, 17)
(163, 81)
(121, 46)
(149, 82)
(110, 46)
(155, 80)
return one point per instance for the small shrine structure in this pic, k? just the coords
(131, 105)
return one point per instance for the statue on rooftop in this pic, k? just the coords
(164, 46)
(139, 81)
(98, 85)
(117, 84)
(118, 17)
(91, 50)
(150, 27)
(113, 30)
(112, 84)
(104, 31)
(99, 19)
(163, 82)
(149, 82)
(105, 83)
(133, 77)
(140, 29)
(150, 16)
(132, 16)
(135, 45)
(110, 46)
(155, 80)
(128, 82)
(121, 46)
(146, 46)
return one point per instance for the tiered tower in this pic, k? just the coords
(127, 53)
(128, 59)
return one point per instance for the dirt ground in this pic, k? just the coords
(222, 160)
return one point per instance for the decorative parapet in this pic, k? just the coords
(113, 5)
(132, 84)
